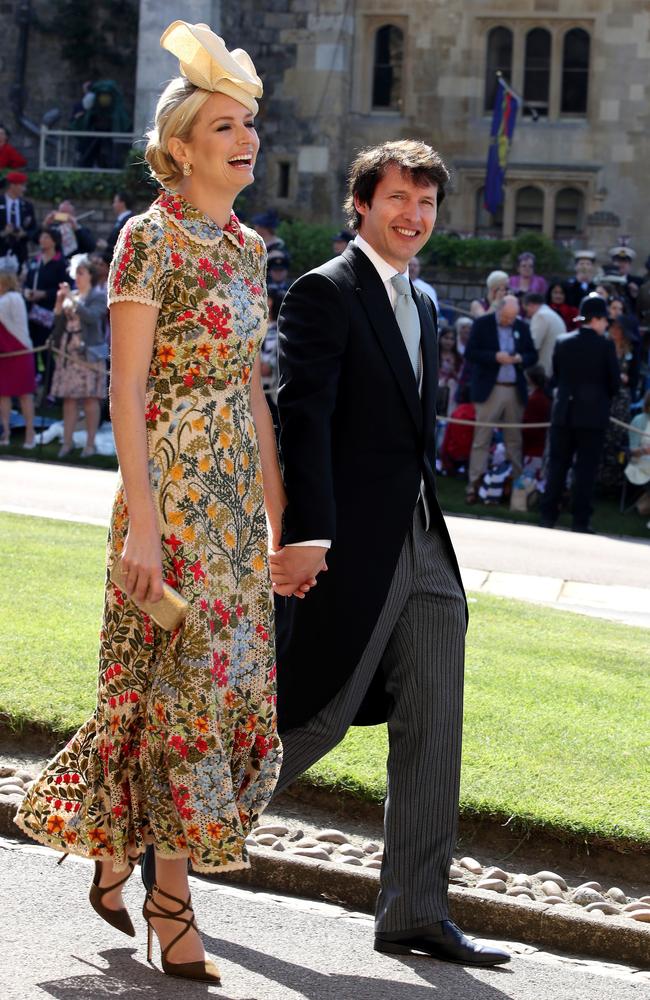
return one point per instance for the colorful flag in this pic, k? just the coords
(506, 106)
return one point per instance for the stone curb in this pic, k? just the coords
(476, 910)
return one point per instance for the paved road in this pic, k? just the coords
(86, 494)
(268, 948)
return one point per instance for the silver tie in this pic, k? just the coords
(408, 320)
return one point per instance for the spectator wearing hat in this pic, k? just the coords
(525, 280)
(582, 282)
(277, 272)
(545, 327)
(586, 373)
(17, 218)
(415, 266)
(500, 348)
(10, 158)
(265, 225)
(622, 258)
(340, 241)
(496, 287)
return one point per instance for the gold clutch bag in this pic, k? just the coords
(168, 612)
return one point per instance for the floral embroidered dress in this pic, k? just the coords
(182, 750)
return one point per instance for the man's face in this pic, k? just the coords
(623, 264)
(338, 246)
(118, 205)
(401, 217)
(584, 269)
(531, 308)
(509, 311)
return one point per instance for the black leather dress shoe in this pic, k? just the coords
(444, 941)
(583, 529)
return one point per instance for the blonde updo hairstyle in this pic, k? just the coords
(176, 111)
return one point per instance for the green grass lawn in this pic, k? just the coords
(557, 723)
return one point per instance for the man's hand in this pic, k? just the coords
(294, 569)
(503, 358)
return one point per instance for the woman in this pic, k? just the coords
(525, 280)
(17, 376)
(496, 287)
(450, 363)
(183, 752)
(45, 273)
(637, 470)
(537, 411)
(78, 334)
(556, 299)
(10, 158)
(611, 471)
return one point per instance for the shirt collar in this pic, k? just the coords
(385, 270)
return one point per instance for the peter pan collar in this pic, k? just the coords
(196, 224)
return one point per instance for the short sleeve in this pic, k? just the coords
(139, 268)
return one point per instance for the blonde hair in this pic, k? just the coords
(9, 281)
(176, 111)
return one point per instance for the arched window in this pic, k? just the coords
(575, 72)
(487, 224)
(499, 59)
(569, 213)
(387, 73)
(529, 209)
(537, 71)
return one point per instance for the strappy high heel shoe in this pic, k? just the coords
(119, 919)
(205, 971)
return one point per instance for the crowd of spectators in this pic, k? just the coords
(53, 303)
(503, 361)
(497, 360)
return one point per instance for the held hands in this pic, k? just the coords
(141, 564)
(294, 569)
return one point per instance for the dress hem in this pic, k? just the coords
(42, 838)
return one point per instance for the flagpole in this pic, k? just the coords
(518, 97)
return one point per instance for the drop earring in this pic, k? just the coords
(187, 168)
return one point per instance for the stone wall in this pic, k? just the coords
(50, 81)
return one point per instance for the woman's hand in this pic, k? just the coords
(141, 563)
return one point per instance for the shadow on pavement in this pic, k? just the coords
(451, 982)
(128, 978)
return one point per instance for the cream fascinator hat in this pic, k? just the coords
(207, 63)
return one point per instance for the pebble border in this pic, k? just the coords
(539, 908)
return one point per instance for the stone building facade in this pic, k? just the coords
(341, 74)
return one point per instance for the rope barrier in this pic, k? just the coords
(447, 420)
(54, 350)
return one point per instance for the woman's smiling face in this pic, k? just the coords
(223, 145)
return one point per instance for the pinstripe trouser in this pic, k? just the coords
(419, 641)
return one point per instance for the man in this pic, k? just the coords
(277, 271)
(582, 284)
(341, 240)
(622, 257)
(265, 225)
(381, 636)
(74, 237)
(122, 206)
(17, 218)
(499, 350)
(415, 266)
(545, 327)
(586, 373)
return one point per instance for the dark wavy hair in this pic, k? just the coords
(411, 156)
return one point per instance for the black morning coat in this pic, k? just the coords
(586, 373)
(355, 441)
